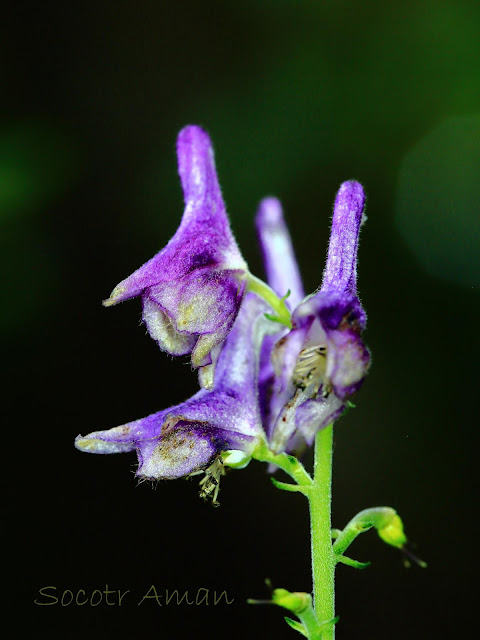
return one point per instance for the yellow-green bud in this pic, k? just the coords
(392, 533)
(295, 602)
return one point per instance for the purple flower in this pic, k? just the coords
(191, 436)
(322, 361)
(283, 274)
(192, 289)
(279, 377)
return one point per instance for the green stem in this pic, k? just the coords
(255, 285)
(323, 558)
(310, 622)
(293, 467)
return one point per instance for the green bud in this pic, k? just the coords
(384, 519)
(392, 533)
(295, 602)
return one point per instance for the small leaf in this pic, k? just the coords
(297, 626)
(356, 564)
(329, 623)
(287, 486)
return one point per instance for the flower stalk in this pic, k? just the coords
(323, 557)
(318, 490)
(257, 286)
(289, 464)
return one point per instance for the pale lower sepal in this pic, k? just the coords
(236, 459)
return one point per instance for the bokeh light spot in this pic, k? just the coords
(438, 200)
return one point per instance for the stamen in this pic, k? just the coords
(210, 484)
(310, 368)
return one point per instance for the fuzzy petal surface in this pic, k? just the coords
(322, 361)
(194, 286)
(341, 269)
(283, 273)
(187, 437)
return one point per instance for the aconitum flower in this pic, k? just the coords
(322, 361)
(284, 365)
(192, 289)
(191, 436)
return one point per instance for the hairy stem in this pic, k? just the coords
(323, 557)
(293, 467)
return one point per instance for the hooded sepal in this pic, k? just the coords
(322, 361)
(192, 289)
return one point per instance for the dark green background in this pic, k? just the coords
(297, 96)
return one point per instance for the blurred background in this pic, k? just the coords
(297, 96)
